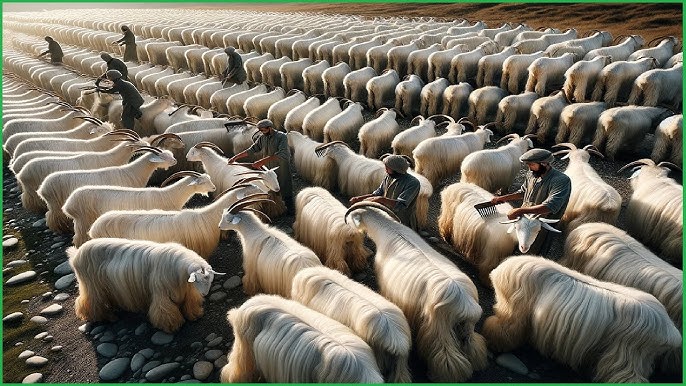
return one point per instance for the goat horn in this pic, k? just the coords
(90, 119)
(398, 112)
(669, 165)
(182, 105)
(247, 201)
(412, 122)
(593, 150)
(249, 179)
(566, 144)
(210, 145)
(319, 150)
(488, 125)
(180, 174)
(127, 135)
(565, 151)
(380, 111)
(364, 204)
(466, 120)
(643, 161)
(156, 141)
(447, 117)
(513, 136)
(146, 148)
(259, 213)
(235, 187)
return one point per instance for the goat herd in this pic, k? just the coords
(610, 308)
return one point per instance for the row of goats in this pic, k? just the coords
(440, 321)
(447, 313)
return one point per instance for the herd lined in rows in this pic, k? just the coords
(452, 70)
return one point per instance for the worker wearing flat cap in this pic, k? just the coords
(545, 192)
(131, 99)
(272, 147)
(54, 50)
(114, 64)
(234, 72)
(398, 190)
(128, 40)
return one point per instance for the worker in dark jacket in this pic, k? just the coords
(114, 64)
(272, 146)
(54, 50)
(234, 72)
(129, 40)
(131, 99)
(398, 191)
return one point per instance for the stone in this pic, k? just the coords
(12, 241)
(56, 348)
(202, 370)
(215, 342)
(46, 295)
(211, 337)
(57, 245)
(107, 336)
(85, 327)
(220, 362)
(160, 338)
(185, 377)
(534, 376)
(21, 278)
(33, 378)
(64, 282)
(39, 319)
(217, 296)
(138, 361)
(114, 369)
(37, 361)
(13, 317)
(196, 345)
(17, 263)
(48, 338)
(232, 282)
(211, 355)
(41, 335)
(434, 240)
(26, 354)
(512, 363)
(61, 297)
(63, 269)
(147, 352)
(151, 365)
(39, 223)
(158, 373)
(141, 329)
(51, 310)
(107, 349)
(97, 330)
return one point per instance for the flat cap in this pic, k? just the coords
(125, 28)
(105, 56)
(537, 155)
(397, 163)
(113, 74)
(229, 49)
(264, 123)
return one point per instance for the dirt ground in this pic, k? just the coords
(78, 360)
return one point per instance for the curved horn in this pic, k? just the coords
(466, 120)
(90, 119)
(247, 201)
(231, 189)
(398, 112)
(669, 165)
(210, 145)
(260, 214)
(145, 148)
(180, 174)
(446, 117)
(593, 150)
(181, 105)
(642, 161)
(249, 179)
(513, 136)
(414, 120)
(319, 150)
(364, 204)
(125, 131)
(156, 141)
(566, 144)
(380, 111)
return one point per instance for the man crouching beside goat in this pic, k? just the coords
(545, 192)
(398, 190)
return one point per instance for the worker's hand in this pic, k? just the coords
(256, 165)
(514, 213)
(355, 199)
(232, 160)
(496, 200)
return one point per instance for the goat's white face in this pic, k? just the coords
(97, 131)
(229, 220)
(527, 228)
(193, 155)
(204, 184)
(271, 181)
(165, 159)
(202, 279)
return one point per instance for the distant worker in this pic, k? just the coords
(54, 50)
(131, 99)
(114, 64)
(234, 72)
(272, 146)
(129, 40)
(398, 191)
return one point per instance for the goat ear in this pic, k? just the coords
(235, 220)
(356, 220)
(635, 173)
(194, 181)
(511, 228)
